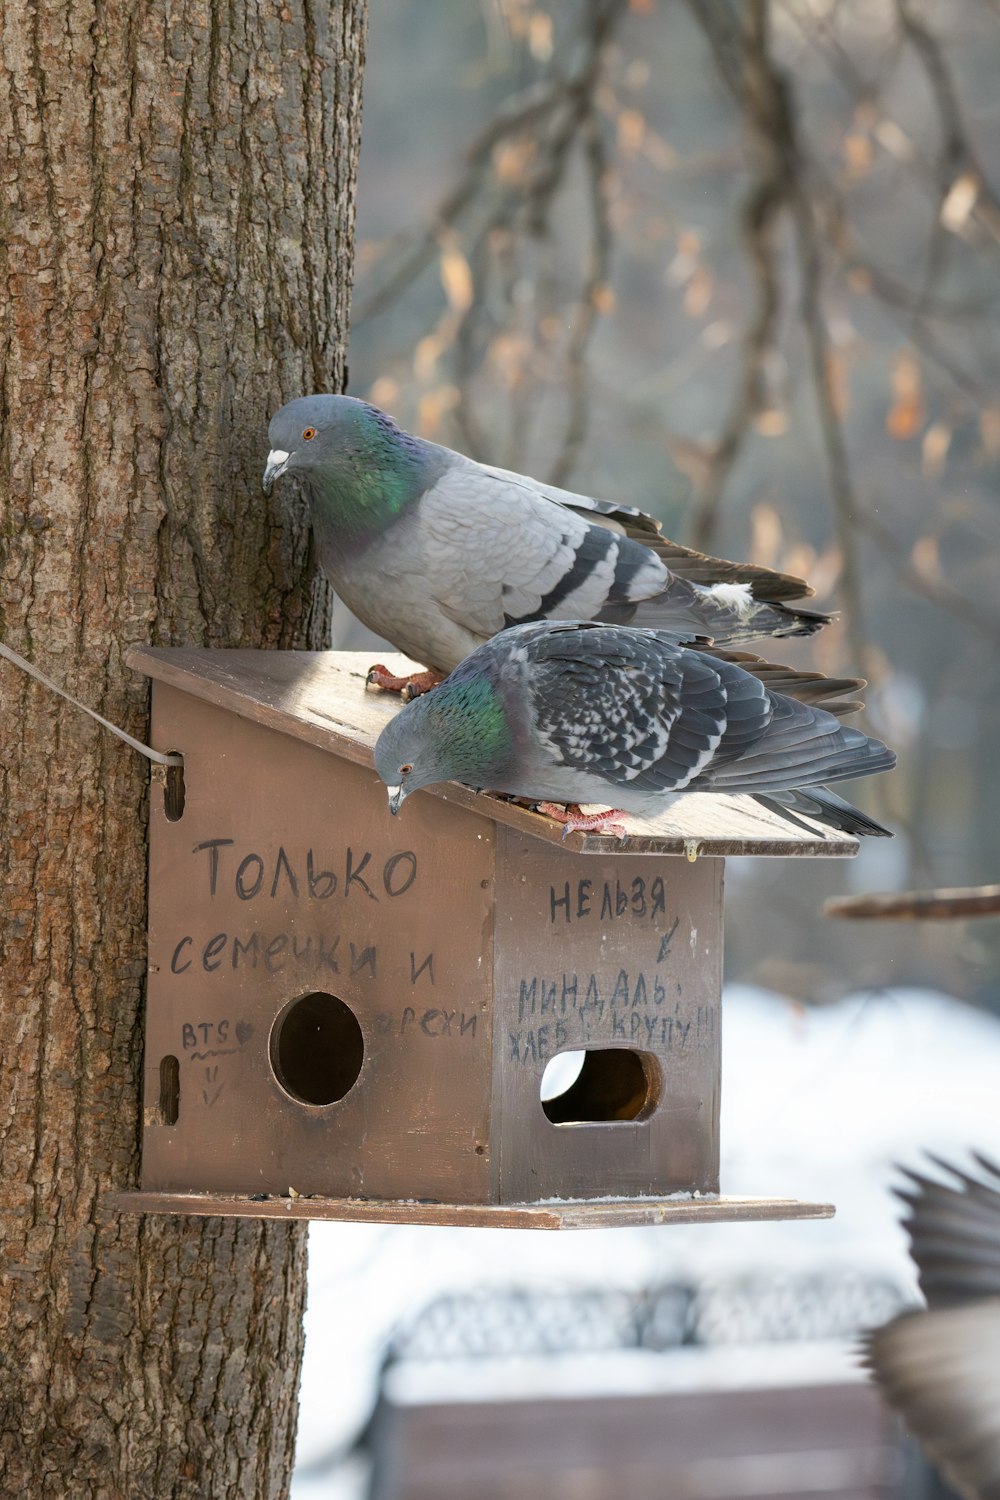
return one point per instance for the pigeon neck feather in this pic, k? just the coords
(368, 483)
(468, 716)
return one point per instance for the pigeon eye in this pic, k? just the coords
(309, 433)
(405, 770)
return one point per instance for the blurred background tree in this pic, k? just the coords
(739, 265)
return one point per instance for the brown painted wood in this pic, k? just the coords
(917, 906)
(319, 697)
(620, 952)
(353, 1008)
(579, 1214)
(285, 876)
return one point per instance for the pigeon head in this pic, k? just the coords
(359, 470)
(456, 732)
(314, 431)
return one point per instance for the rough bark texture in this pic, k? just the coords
(177, 181)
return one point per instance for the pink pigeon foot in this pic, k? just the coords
(414, 686)
(577, 821)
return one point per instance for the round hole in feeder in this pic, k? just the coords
(317, 1049)
(598, 1086)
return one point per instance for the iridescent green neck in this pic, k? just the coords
(468, 716)
(361, 491)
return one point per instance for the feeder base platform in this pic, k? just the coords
(561, 1213)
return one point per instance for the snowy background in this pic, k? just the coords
(822, 1094)
(818, 1104)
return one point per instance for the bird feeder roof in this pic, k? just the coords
(320, 697)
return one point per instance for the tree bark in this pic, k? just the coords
(177, 181)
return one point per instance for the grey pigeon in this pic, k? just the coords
(437, 553)
(941, 1367)
(611, 714)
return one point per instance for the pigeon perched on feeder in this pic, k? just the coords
(940, 1368)
(437, 553)
(609, 714)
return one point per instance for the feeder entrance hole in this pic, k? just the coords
(317, 1049)
(598, 1086)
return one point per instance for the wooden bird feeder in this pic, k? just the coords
(350, 1015)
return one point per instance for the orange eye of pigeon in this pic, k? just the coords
(309, 433)
(405, 770)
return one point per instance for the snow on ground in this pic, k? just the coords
(817, 1104)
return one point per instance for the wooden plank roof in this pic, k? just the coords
(320, 697)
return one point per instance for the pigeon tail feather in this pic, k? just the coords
(803, 746)
(687, 562)
(726, 614)
(837, 695)
(823, 806)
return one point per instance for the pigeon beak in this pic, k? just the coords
(397, 796)
(277, 463)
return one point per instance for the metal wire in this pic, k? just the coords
(53, 687)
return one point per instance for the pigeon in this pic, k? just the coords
(571, 713)
(940, 1368)
(437, 553)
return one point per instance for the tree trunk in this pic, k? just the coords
(178, 185)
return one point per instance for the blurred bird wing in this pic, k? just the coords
(497, 550)
(941, 1371)
(955, 1234)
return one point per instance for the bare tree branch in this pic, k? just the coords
(956, 149)
(917, 906)
(935, 590)
(765, 96)
(740, 66)
(516, 116)
(587, 309)
(497, 211)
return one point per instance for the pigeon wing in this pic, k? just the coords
(801, 746)
(683, 562)
(702, 568)
(625, 706)
(497, 551)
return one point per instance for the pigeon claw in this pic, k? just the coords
(576, 821)
(420, 683)
(382, 680)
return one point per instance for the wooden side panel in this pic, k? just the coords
(285, 876)
(615, 952)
